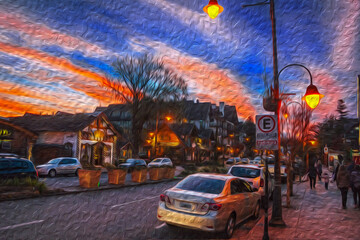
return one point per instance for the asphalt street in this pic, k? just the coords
(124, 213)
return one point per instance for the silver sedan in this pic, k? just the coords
(62, 165)
(209, 202)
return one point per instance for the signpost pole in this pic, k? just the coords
(266, 203)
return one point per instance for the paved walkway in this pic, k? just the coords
(315, 214)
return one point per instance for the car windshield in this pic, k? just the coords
(202, 184)
(157, 160)
(130, 160)
(245, 172)
(54, 161)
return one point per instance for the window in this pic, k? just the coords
(64, 161)
(19, 165)
(71, 161)
(245, 172)
(201, 184)
(245, 186)
(4, 165)
(236, 187)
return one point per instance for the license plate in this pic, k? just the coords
(185, 205)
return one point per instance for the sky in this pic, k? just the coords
(54, 55)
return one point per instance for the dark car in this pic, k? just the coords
(15, 167)
(131, 163)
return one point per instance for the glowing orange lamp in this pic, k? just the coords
(213, 9)
(168, 118)
(312, 96)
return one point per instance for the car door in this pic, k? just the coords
(238, 199)
(72, 165)
(248, 198)
(63, 167)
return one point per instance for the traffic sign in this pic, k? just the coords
(266, 132)
(326, 150)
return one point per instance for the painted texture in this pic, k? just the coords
(54, 54)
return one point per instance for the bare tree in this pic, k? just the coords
(295, 125)
(141, 82)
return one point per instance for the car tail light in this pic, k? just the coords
(262, 183)
(211, 206)
(165, 198)
(37, 173)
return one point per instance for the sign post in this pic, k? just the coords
(266, 139)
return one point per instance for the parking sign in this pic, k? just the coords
(266, 132)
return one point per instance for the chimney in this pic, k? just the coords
(221, 107)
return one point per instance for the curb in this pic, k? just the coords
(108, 187)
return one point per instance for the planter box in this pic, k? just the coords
(156, 173)
(116, 176)
(139, 175)
(89, 178)
(169, 173)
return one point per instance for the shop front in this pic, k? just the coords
(15, 139)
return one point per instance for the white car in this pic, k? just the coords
(209, 202)
(255, 176)
(160, 162)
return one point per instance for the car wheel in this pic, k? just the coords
(257, 211)
(230, 226)
(52, 173)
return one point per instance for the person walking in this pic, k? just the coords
(343, 183)
(355, 185)
(326, 176)
(312, 176)
(319, 169)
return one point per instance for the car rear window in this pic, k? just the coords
(245, 172)
(202, 184)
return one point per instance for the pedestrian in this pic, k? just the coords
(350, 168)
(312, 176)
(343, 183)
(326, 176)
(319, 169)
(355, 183)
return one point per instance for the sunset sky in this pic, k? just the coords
(54, 54)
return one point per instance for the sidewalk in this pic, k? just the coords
(315, 214)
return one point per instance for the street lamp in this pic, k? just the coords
(213, 9)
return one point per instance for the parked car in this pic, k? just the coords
(245, 161)
(255, 176)
(62, 165)
(271, 167)
(209, 202)
(161, 162)
(131, 163)
(232, 161)
(16, 167)
(9, 155)
(256, 160)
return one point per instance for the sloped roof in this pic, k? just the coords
(230, 114)
(55, 123)
(206, 134)
(196, 111)
(183, 129)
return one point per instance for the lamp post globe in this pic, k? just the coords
(312, 96)
(213, 9)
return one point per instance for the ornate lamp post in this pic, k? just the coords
(312, 97)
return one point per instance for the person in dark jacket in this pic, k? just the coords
(312, 176)
(319, 168)
(355, 185)
(343, 183)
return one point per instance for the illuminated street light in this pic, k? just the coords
(312, 96)
(168, 118)
(213, 9)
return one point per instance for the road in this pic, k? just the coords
(125, 213)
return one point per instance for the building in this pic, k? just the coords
(90, 137)
(16, 139)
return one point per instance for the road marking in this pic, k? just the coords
(123, 204)
(160, 226)
(20, 225)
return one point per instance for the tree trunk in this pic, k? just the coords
(288, 183)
